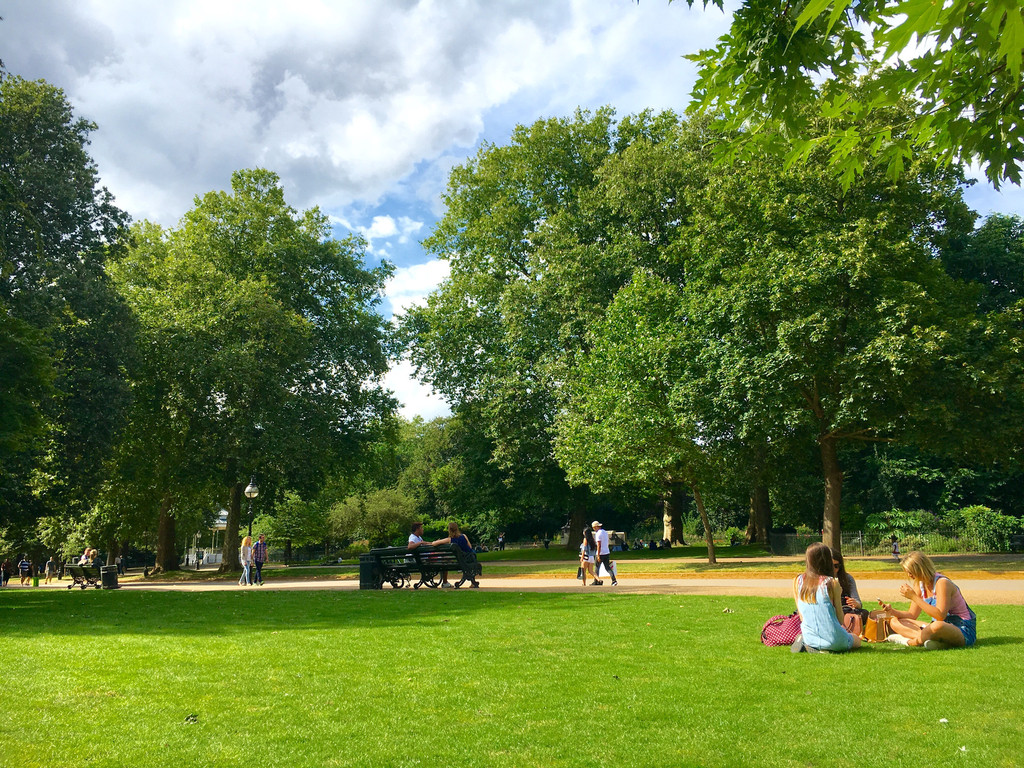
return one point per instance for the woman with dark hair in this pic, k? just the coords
(851, 602)
(588, 554)
(819, 601)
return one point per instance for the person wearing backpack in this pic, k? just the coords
(818, 598)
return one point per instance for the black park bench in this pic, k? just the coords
(83, 575)
(398, 566)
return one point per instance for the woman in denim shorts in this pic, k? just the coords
(953, 624)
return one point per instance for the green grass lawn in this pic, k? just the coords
(403, 678)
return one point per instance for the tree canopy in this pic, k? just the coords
(961, 61)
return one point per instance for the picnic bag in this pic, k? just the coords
(853, 623)
(876, 628)
(781, 629)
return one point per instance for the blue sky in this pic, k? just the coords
(361, 107)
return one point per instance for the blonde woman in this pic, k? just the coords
(246, 557)
(952, 622)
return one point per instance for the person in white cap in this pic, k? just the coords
(603, 553)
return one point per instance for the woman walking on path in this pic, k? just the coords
(953, 624)
(588, 554)
(246, 558)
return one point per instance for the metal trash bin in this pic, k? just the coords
(369, 578)
(108, 576)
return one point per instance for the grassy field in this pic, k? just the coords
(402, 678)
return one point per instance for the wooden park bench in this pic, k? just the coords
(83, 575)
(397, 566)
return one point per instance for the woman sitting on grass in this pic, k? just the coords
(819, 601)
(953, 624)
(853, 606)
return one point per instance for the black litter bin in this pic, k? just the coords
(368, 576)
(108, 576)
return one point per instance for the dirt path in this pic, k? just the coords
(977, 591)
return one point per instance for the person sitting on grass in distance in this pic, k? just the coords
(461, 541)
(952, 622)
(852, 603)
(819, 601)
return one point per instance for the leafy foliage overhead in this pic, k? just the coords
(962, 59)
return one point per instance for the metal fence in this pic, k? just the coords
(866, 543)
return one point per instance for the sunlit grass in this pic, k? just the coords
(402, 678)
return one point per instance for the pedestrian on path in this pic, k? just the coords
(259, 557)
(25, 570)
(604, 555)
(246, 557)
(51, 569)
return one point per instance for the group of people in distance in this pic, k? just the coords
(455, 537)
(594, 553)
(252, 555)
(826, 597)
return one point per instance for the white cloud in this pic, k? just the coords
(410, 286)
(416, 398)
(347, 101)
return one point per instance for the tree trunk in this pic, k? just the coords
(113, 550)
(166, 550)
(230, 562)
(672, 514)
(577, 522)
(287, 551)
(750, 535)
(760, 524)
(708, 535)
(830, 532)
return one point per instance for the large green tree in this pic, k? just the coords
(620, 424)
(813, 307)
(265, 347)
(528, 273)
(67, 336)
(961, 59)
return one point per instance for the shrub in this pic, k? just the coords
(991, 529)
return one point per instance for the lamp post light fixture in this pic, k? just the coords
(251, 492)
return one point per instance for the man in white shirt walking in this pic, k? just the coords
(603, 553)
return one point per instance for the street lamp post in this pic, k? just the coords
(251, 492)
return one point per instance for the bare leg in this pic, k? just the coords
(942, 631)
(908, 628)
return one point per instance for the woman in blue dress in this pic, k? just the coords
(819, 600)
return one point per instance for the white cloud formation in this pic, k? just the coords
(345, 100)
(410, 287)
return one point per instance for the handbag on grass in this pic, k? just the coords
(853, 623)
(876, 628)
(781, 629)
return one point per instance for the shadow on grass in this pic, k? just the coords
(145, 613)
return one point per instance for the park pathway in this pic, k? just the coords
(977, 591)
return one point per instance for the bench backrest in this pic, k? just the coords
(443, 555)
